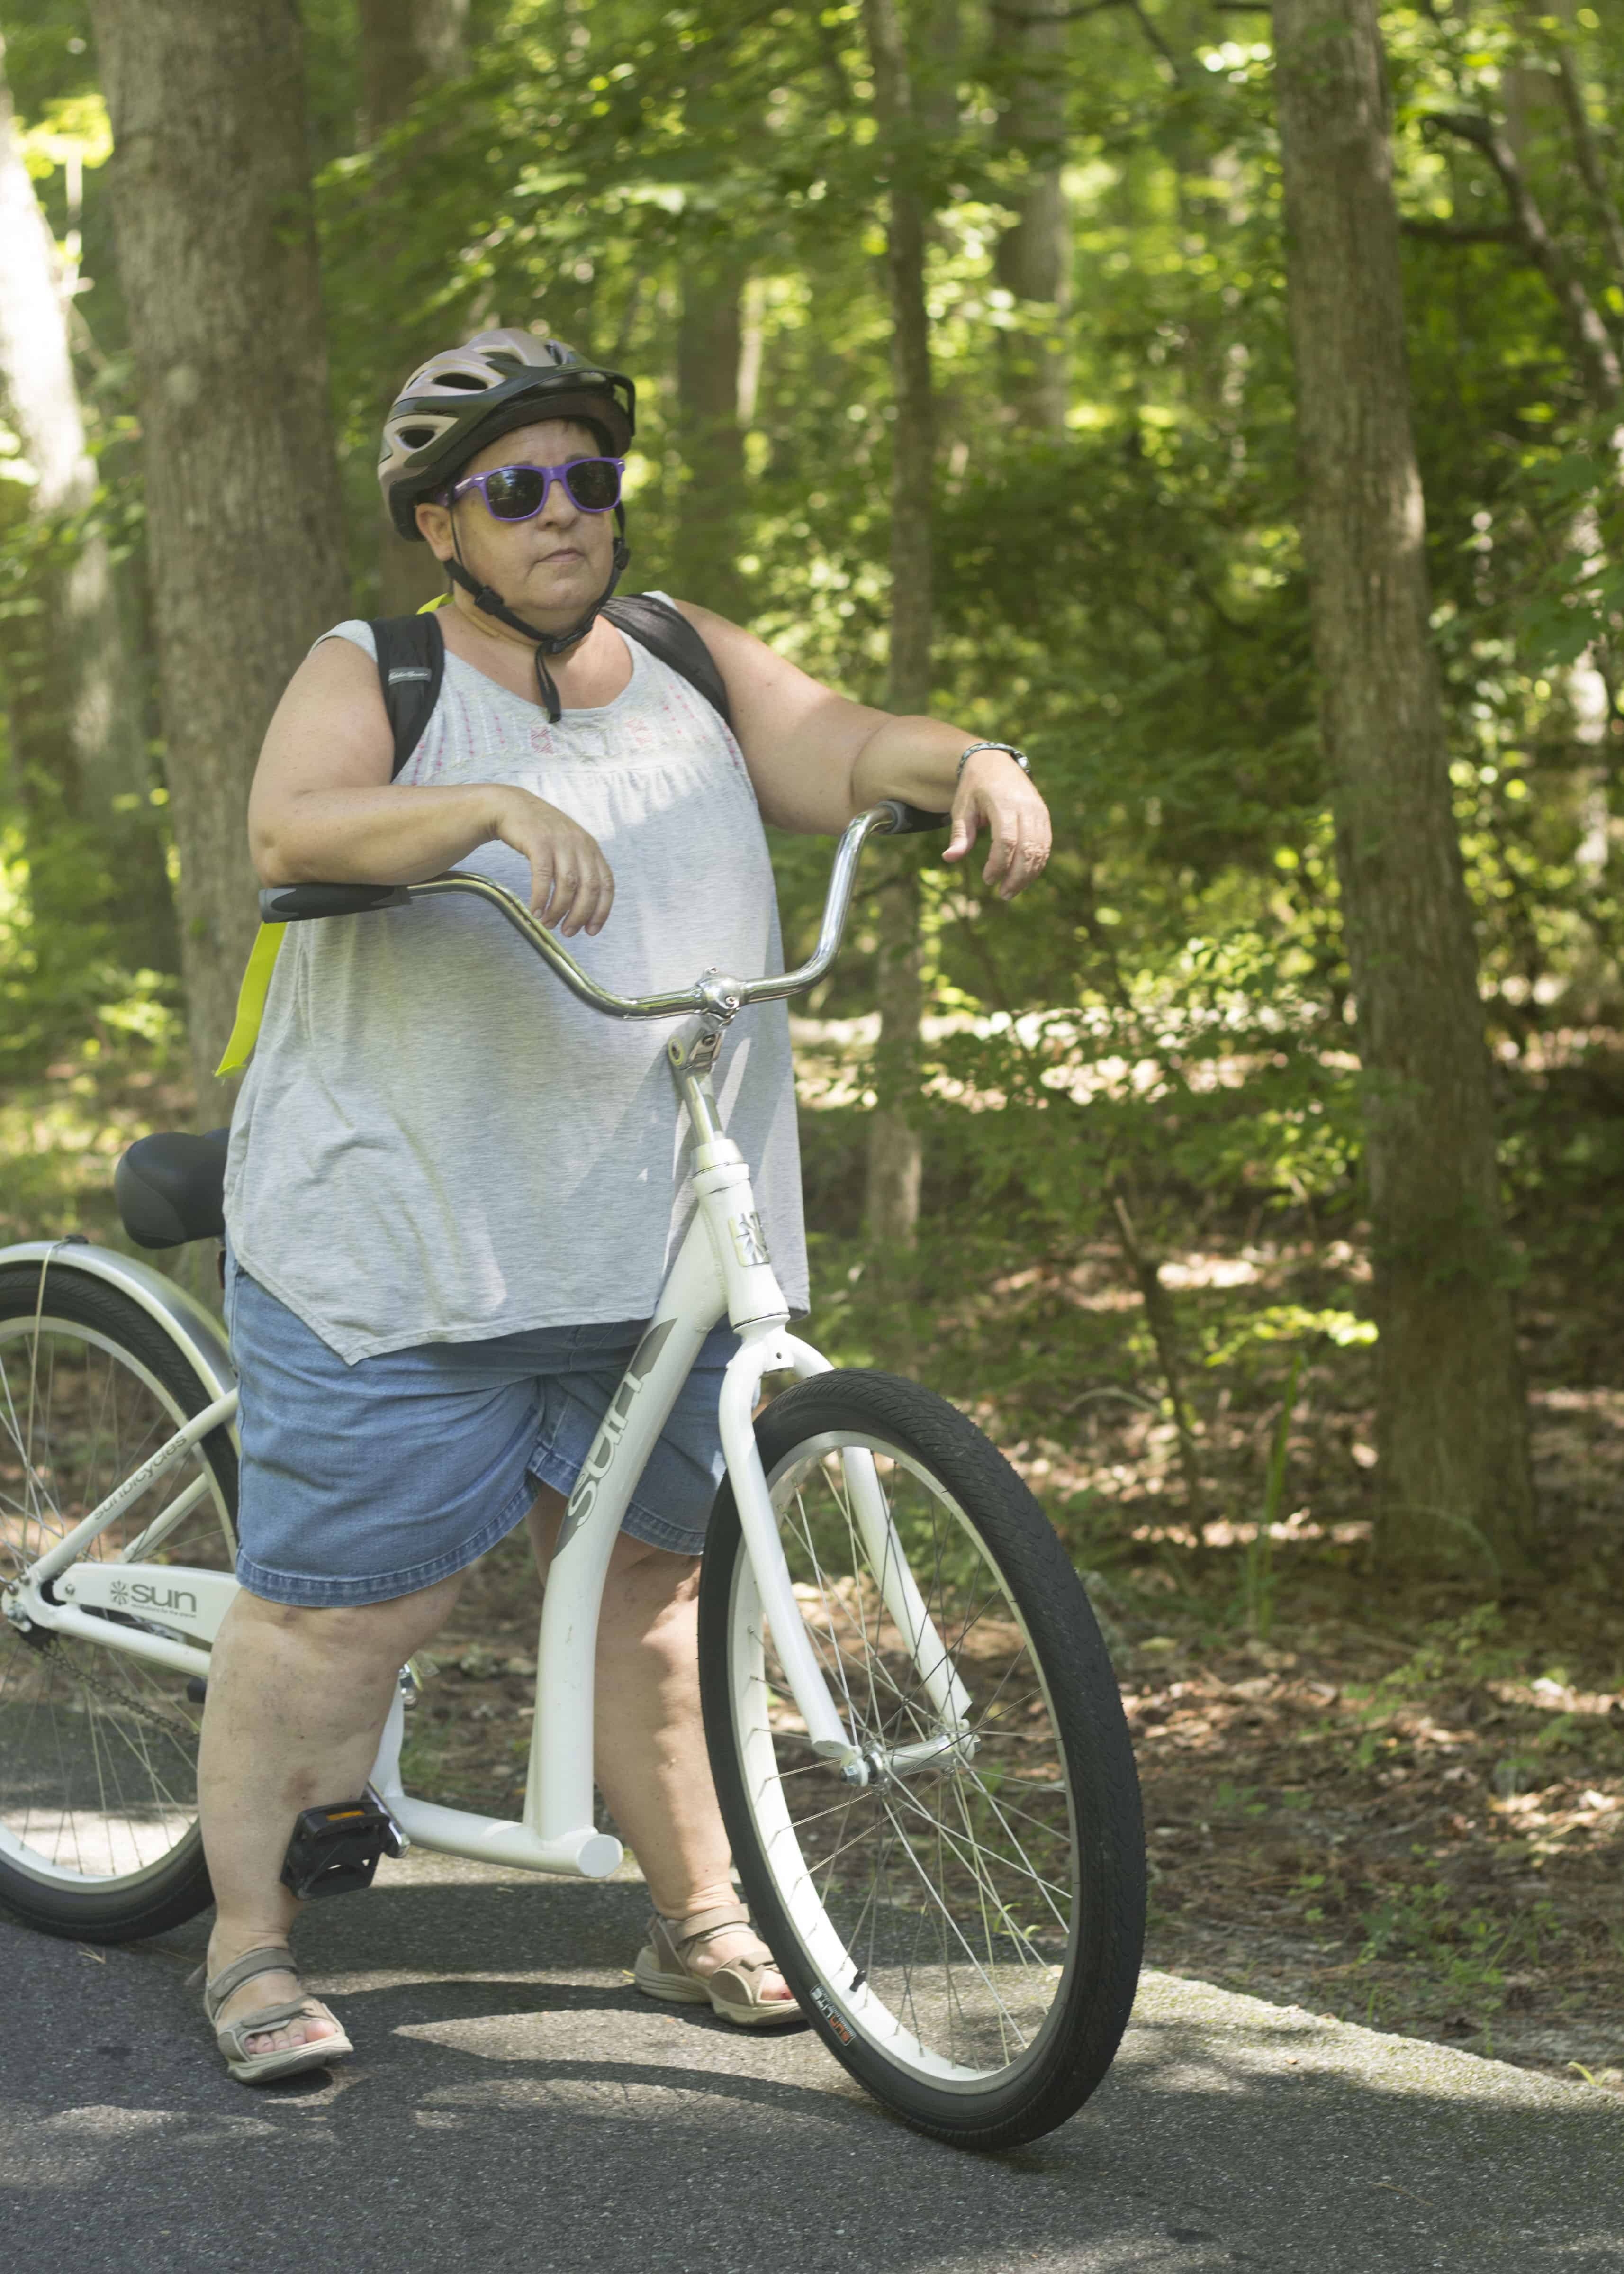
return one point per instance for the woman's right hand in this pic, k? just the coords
(571, 887)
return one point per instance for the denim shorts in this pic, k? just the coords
(359, 1483)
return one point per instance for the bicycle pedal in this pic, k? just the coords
(335, 1851)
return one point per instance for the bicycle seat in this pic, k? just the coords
(171, 1188)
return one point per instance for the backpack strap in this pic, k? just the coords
(666, 632)
(411, 663)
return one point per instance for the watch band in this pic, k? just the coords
(1009, 749)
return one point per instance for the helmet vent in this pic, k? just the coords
(464, 378)
(415, 437)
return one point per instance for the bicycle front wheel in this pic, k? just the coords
(98, 1750)
(965, 1929)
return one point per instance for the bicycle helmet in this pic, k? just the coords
(463, 399)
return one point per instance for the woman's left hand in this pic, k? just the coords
(994, 793)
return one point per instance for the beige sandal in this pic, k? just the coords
(733, 1991)
(232, 2037)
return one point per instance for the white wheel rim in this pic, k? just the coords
(111, 1846)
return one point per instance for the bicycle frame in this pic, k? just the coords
(722, 1268)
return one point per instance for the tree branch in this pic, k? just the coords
(1459, 232)
(834, 64)
(621, 347)
(1589, 156)
(1002, 8)
(1604, 377)
(1005, 13)
(1157, 41)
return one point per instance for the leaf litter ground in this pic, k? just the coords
(1396, 1804)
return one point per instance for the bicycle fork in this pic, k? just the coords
(759, 1315)
(771, 1349)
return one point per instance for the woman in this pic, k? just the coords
(451, 1189)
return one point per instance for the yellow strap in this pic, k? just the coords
(250, 998)
(262, 961)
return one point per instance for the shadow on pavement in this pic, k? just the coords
(516, 2102)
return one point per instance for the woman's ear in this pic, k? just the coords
(434, 520)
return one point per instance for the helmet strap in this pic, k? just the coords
(491, 603)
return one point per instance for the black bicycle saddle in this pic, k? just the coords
(171, 1188)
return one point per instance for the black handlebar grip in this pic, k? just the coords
(293, 903)
(911, 819)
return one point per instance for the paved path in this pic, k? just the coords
(514, 2104)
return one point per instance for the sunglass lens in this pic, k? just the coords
(594, 484)
(514, 492)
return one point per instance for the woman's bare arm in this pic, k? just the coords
(324, 809)
(815, 759)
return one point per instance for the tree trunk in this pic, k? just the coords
(216, 249)
(73, 693)
(1163, 1325)
(895, 1152)
(405, 45)
(704, 552)
(1451, 1423)
(1033, 259)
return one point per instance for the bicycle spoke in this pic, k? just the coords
(97, 1748)
(950, 1888)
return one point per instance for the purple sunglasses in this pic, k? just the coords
(519, 492)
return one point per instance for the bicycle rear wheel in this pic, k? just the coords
(98, 1750)
(964, 1931)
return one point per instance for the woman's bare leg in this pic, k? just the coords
(648, 1753)
(297, 1703)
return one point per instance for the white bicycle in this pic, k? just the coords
(916, 1739)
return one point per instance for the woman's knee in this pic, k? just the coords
(648, 1598)
(388, 1631)
(656, 1569)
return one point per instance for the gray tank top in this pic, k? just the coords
(434, 1140)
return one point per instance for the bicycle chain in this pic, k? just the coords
(170, 1726)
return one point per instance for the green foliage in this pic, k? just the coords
(1167, 1021)
(1468, 1948)
(63, 985)
(1462, 1648)
(1208, 1069)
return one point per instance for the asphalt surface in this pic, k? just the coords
(514, 2104)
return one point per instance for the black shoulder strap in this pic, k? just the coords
(666, 632)
(412, 662)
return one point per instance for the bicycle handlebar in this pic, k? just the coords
(716, 992)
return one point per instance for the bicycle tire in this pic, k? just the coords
(774, 1796)
(121, 1704)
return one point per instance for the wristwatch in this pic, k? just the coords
(1008, 748)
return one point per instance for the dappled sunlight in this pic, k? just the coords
(1423, 1846)
(1189, 2038)
(61, 1134)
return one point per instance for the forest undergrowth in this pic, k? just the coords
(1393, 1802)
